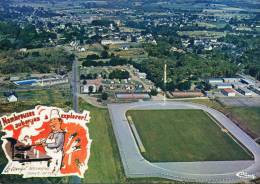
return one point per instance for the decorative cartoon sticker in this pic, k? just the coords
(46, 142)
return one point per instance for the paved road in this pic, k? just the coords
(75, 84)
(209, 171)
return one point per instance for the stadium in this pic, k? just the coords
(133, 144)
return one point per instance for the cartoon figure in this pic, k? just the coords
(54, 143)
(46, 142)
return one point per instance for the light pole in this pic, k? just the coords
(165, 81)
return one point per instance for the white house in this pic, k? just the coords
(12, 98)
(86, 88)
(141, 75)
(224, 86)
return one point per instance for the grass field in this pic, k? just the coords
(184, 135)
(248, 116)
(104, 163)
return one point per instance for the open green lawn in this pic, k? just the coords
(184, 135)
(248, 116)
(104, 163)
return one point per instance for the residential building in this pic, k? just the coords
(12, 98)
(87, 88)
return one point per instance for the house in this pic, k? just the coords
(215, 81)
(87, 88)
(231, 80)
(224, 86)
(125, 48)
(94, 84)
(141, 75)
(14, 78)
(154, 42)
(82, 49)
(23, 50)
(111, 42)
(228, 92)
(208, 47)
(198, 42)
(12, 98)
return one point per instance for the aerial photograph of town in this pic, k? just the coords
(129, 91)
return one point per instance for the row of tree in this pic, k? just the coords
(114, 61)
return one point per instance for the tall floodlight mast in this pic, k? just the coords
(165, 81)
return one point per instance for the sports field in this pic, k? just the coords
(184, 135)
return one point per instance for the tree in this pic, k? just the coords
(104, 96)
(153, 92)
(5, 44)
(104, 54)
(119, 74)
(90, 89)
(82, 76)
(207, 87)
(35, 54)
(184, 86)
(100, 89)
(92, 57)
(84, 82)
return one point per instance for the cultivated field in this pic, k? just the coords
(184, 135)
